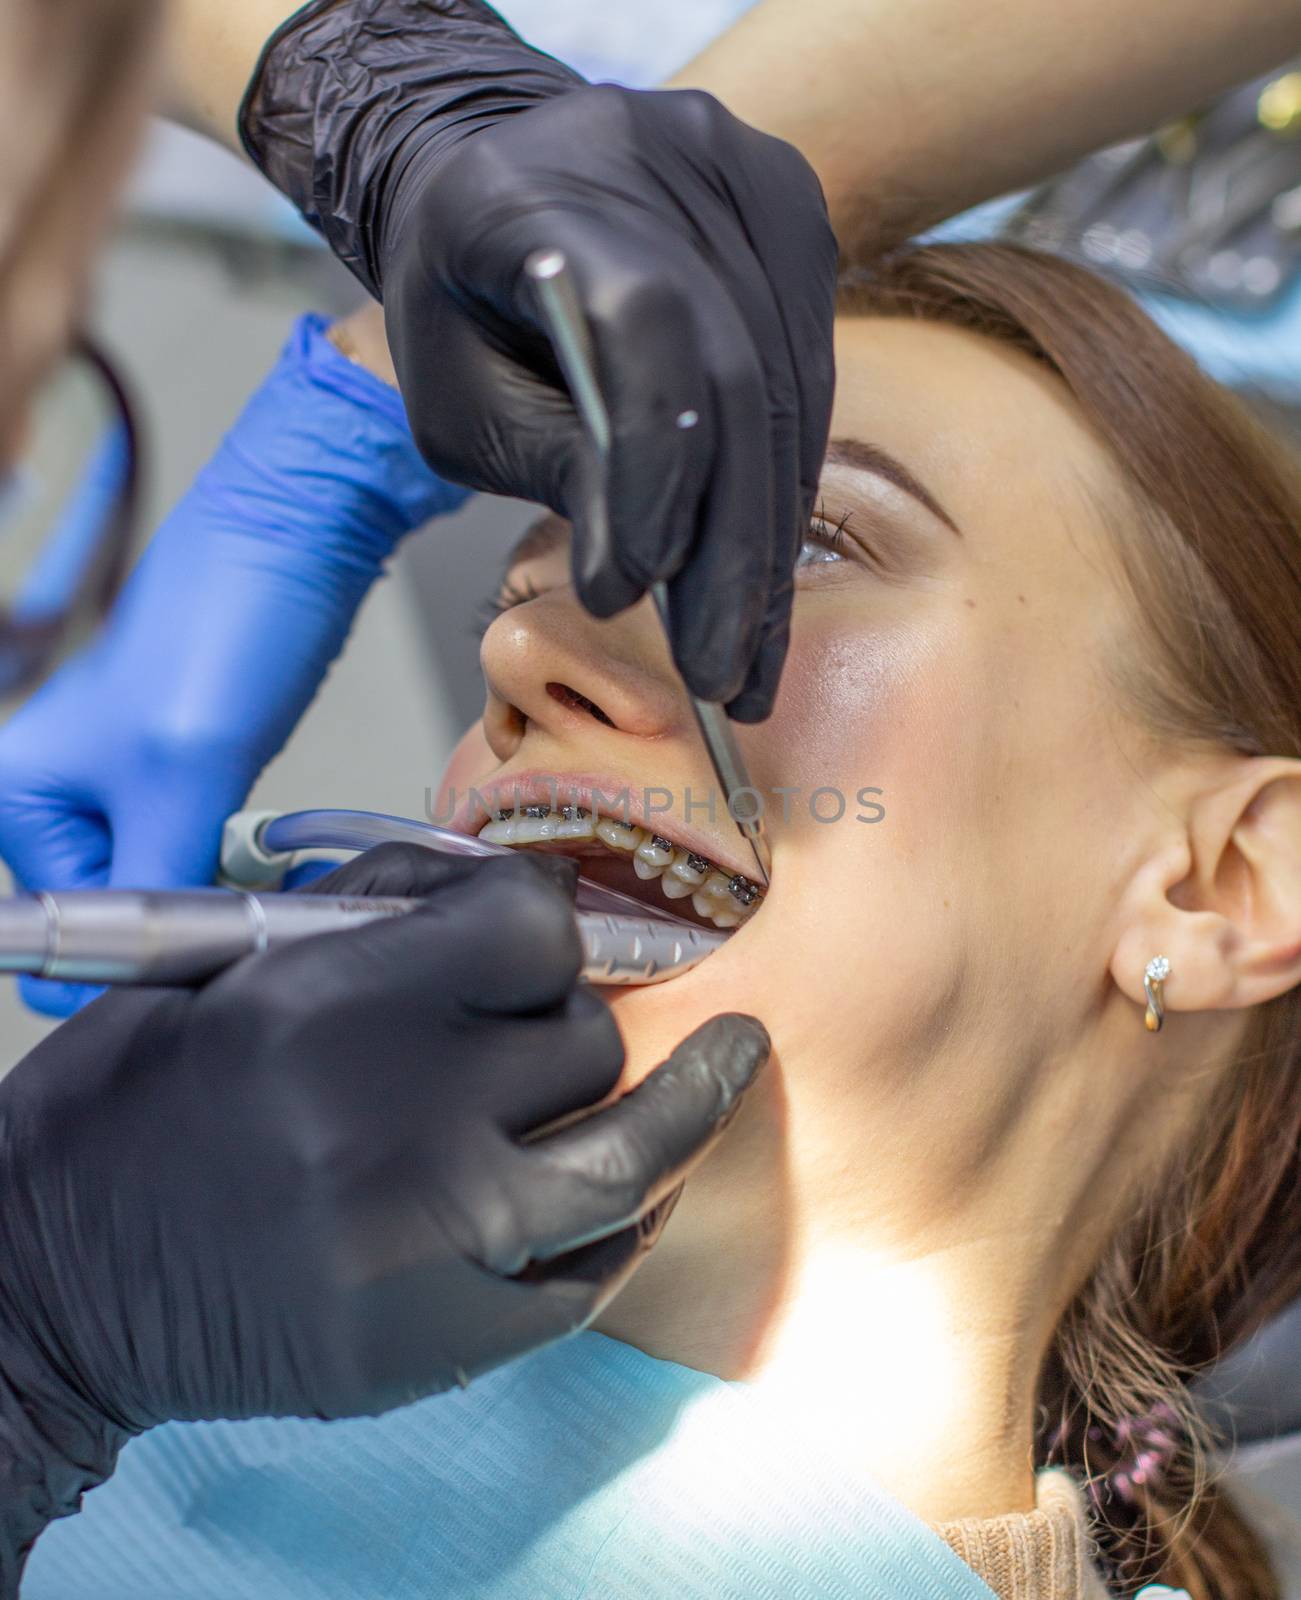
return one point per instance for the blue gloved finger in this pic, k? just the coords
(51, 999)
(171, 840)
(305, 873)
(50, 836)
(61, 850)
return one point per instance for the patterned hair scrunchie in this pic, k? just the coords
(1146, 1444)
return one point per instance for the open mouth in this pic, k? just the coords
(640, 862)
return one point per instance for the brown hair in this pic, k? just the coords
(1212, 544)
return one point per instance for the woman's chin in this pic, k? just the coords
(655, 1018)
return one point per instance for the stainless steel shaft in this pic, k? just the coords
(164, 937)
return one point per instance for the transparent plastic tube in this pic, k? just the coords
(361, 830)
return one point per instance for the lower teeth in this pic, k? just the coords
(725, 900)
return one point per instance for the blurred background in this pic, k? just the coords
(208, 270)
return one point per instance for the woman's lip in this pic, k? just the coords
(561, 788)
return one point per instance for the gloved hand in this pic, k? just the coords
(436, 151)
(122, 768)
(304, 1190)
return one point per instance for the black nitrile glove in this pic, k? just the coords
(436, 151)
(303, 1189)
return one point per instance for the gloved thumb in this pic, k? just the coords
(51, 845)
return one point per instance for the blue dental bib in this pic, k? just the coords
(587, 1469)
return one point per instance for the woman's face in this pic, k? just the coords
(948, 657)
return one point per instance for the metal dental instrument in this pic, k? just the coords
(548, 272)
(177, 937)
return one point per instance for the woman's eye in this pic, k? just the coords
(812, 552)
(825, 541)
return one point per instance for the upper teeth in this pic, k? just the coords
(726, 899)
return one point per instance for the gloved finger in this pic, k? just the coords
(755, 700)
(801, 258)
(393, 870)
(524, 433)
(753, 292)
(632, 284)
(518, 948)
(718, 600)
(531, 1093)
(400, 869)
(56, 848)
(299, 879)
(606, 1264)
(497, 938)
(718, 552)
(49, 998)
(54, 841)
(607, 1171)
(169, 839)
(802, 384)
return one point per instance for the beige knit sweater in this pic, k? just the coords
(1044, 1554)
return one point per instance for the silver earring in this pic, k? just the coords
(1154, 974)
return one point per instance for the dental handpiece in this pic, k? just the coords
(184, 936)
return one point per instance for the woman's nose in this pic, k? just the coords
(551, 668)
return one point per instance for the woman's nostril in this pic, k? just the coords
(578, 702)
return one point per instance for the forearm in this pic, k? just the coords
(911, 110)
(214, 47)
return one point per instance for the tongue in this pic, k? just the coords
(600, 887)
(593, 895)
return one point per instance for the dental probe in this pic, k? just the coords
(182, 936)
(549, 274)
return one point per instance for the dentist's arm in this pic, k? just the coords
(912, 112)
(120, 771)
(907, 112)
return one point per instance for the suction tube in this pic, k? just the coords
(257, 845)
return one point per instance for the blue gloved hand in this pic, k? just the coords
(122, 768)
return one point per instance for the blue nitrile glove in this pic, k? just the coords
(122, 768)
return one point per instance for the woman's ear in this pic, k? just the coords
(1223, 902)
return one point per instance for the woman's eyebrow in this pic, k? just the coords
(862, 457)
(550, 532)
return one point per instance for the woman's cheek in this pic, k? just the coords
(469, 764)
(846, 717)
